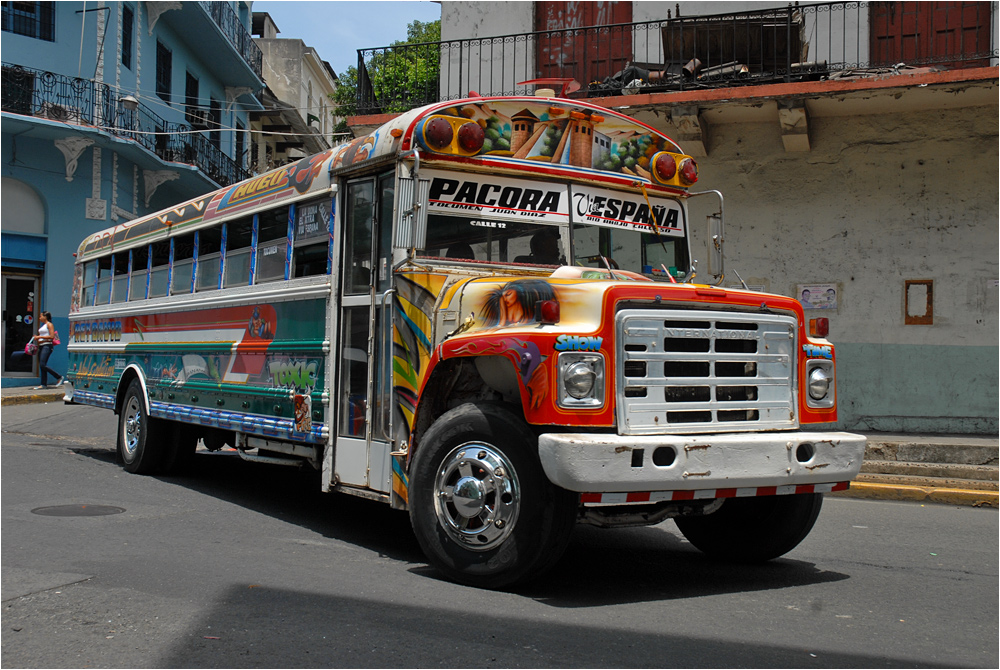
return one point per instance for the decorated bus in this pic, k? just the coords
(484, 313)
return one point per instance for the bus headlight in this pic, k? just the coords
(819, 383)
(581, 379)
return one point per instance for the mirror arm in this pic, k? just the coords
(718, 239)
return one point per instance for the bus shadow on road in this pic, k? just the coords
(618, 565)
(292, 495)
(650, 564)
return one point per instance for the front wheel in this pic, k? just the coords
(752, 530)
(140, 438)
(481, 507)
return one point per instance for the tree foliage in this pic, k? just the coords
(402, 76)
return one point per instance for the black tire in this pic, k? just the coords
(140, 439)
(511, 524)
(753, 530)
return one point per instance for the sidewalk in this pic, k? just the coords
(22, 395)
(948, 469)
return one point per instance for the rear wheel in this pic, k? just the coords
(140, 438)
(752, 530)
(481, 507)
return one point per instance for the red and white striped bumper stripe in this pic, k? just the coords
(643, 497)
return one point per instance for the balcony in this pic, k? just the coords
(215, 33)
(822, 41)
(86, 103)
(228, 21)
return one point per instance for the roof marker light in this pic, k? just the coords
(665, 167)
(689, 171)
(438, 133)
(471, 137)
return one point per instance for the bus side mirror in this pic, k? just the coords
(715, 240)
(411, 221)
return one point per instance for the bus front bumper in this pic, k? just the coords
(735, 463)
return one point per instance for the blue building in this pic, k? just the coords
(111, 110)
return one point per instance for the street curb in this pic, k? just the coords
(920, 494)
(30, 399)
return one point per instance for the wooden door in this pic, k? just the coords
(585, 55)
(947, 34)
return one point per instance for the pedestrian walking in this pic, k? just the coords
(45, 341)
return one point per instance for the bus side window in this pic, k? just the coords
(140, 271)
(119, 284)
(239, 248)
(161, 268)
(183, 266)
(272, 244)
(89, 280)
(209, 259)
(103, 280)
(312, 237)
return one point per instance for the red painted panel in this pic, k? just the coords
(938, 33)
(584, 55)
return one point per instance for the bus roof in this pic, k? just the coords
(549, 136)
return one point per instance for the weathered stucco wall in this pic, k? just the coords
(486, 66)
(878, 200)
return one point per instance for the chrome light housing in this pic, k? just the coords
(819, 383)
(581, 380)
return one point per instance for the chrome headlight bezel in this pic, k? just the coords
(571, 369)
(816, 372)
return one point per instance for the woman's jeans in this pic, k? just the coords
(44, 351)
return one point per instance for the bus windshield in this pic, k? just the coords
(493, 240)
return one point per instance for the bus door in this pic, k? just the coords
(364, 395)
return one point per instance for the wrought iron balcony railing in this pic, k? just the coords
(88, 103)
(793, 43)
(229, 22)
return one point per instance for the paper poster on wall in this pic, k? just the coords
(817, 296)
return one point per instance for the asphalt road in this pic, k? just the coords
(246, 565)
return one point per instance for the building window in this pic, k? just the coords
(215, 135)
(127, 29)
(238, 156)
(191, 100)
(31, 19)
(164, 68)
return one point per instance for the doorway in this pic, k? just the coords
(20, 317)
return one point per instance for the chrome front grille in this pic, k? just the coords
(686, 371)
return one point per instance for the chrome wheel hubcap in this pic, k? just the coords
(477, 496)
(133, 424)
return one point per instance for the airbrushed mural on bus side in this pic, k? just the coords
(232, 350)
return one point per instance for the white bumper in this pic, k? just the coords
(588, 462)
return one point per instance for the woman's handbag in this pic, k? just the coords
(55, 340)
(30, 349)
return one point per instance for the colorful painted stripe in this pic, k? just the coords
(644, 497)
(254, 424)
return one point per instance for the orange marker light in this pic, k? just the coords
(819, 327)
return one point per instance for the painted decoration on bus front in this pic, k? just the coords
(558, 133)
(415, 300)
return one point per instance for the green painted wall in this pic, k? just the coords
(918, 388)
